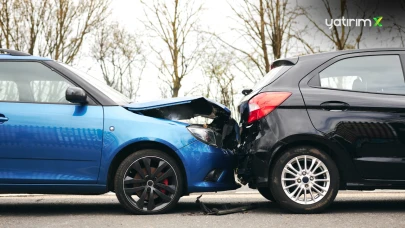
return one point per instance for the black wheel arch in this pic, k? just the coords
(132, 148)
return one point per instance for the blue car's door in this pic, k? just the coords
(44, 138)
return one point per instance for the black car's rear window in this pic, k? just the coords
(271, 76)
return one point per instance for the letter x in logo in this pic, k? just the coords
(377, 21)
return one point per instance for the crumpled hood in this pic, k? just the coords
(180, 108)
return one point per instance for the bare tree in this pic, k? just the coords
(217, 65)
(172, 24)
(6, 23)
(120, 57)
(53, 28)
(20, 22)
(265, 26)
(301, 37)
(29, 19)
(398, 27)
(68, 26)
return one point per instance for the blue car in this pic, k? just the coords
(64, 132)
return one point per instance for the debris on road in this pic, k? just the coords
(225, 210)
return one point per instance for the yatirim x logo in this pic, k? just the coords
(378, 21)
(353, 22)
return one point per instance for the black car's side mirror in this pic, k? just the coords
(246, 91)
(76, 95)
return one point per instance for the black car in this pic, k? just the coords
(321, 123)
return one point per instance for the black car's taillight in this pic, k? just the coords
(264, 103)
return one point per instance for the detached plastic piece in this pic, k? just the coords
(226, 210)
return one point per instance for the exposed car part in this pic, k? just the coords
(305, 180)
(222, 132)
(225, 210)
(148, 182)
(180, 108)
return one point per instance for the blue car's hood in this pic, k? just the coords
(181, 108)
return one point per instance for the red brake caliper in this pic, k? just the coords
(165, 182)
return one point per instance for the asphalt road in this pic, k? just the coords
(351, 209)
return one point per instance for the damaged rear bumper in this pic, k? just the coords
(209, 168)
(259, 143)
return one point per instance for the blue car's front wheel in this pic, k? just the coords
(148, 182)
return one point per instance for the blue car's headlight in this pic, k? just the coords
(206, 135)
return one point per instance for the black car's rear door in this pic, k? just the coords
(358, 100)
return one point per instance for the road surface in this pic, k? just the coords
(351, 209)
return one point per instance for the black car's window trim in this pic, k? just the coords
(402, 59)
(314, 81)
(90, 99)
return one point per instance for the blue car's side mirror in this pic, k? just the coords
(76, 95)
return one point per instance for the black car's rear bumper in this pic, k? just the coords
(262, 141)
(259, 141)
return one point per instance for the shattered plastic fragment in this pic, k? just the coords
(225, 211)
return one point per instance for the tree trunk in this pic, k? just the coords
(263, 38)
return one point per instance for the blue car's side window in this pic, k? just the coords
(8, 91)
(31, 82)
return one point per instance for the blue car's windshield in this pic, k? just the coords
(113, 94)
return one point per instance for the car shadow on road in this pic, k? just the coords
(187, 208)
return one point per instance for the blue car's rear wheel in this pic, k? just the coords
(148, 182)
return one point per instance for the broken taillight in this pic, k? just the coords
(264, 103)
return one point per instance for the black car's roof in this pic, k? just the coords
(332, 54)
(318, 58)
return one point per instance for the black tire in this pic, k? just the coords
(306, 182)
(147, 171)
(266, 193)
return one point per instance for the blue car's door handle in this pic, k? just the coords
(3, 119)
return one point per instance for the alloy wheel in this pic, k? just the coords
(305, 179)
(150, 184)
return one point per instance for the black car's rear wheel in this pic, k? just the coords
(266, 193)
(148, 182)
(305, 180)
